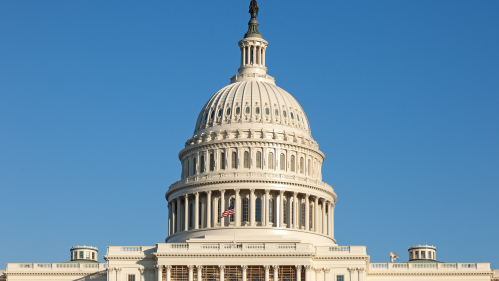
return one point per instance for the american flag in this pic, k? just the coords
(229, 211)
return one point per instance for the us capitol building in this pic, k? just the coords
(252, 150)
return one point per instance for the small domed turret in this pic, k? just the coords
(84, 253)
(422, 252)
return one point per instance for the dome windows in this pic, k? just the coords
(267, 111)
(298, 117)
(220, 111)
(238, 110)
(284, 114)
(212, 115)
(227, 112)
(247, 110)
(276, 112)
(257, 110)
(292, 115)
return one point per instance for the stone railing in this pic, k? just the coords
(129, 250)
(14, 267)
(231, 247)
(381, 267)
(227, 176)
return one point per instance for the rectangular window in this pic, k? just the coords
(245, 210)
(194, 162)
(81, 254)
(285, 211)
(234, 160)
(259, 160)
(287, 273)
(179, 273)
(258, 210)
(256, 273)
(302, 214)
(246, 159)
(212, 162)
(93, 255)
(423, 254)
(210, 273)
(292, 163)
(202, 164)
(271, 211)
(131, 277)
(271, 160)
(222, 161)
(340, 277)
(416, 254)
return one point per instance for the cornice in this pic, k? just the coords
(362, 258)
(230, 255)
(108, 258)
(176, 186)
(100, 273)
(429, 273)
(226, 143)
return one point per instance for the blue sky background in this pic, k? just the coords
(98, 97)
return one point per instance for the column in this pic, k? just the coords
(237, 201)
(159, 272)
(186, 212)
(353, 274)
(110, 274)
(324, 221)
(296, 208)
(331, 233)
(308, 269)
(243, 268)
(244, 55)
(289, 212)
(208, 209)
(281, 208)
(222, 267)
(298, 273)
(267, 208)
(191, 272)
(276, 272)
(307, 212)
(361, 274)
(252, 207)
(196, 211)
(316, 214)
(317, 274)
(169, 218)
(168, 272)
(118, 273)
(263, 57)
(267, 268)
(141, 274)
(222, 208)
(326, 274)
(254, 54)
(200, 272)
(178, 225)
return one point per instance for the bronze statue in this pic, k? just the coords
(253, 9)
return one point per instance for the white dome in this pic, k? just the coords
(254, 105)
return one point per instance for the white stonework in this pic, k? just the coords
(252, 147)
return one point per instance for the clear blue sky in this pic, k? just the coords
(98, 97)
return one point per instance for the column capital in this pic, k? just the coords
(237, 190)
(168, 267)
(308, 267)
(199, 267)
(221, 267)
(318, 270)
(298, 267)
(267, 191)
(326, 269)
(244, 267)
(295, 193)
(110, 269)
(208, 192)
(361, 269)
(252, 190)
(157, 266)
(196, 193)
(352, 269)
(276, 267)
(186, 196)
(190, 267)
(281, 192)
(222, 191)
(141, 270)
(266, 267)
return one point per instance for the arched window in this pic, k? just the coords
(292, 163)
(202, 164)
(245, 210)
(212, 162)
(187, 171)
(200, 208)
(271, 160)
(246, 159)
(222, 161)
(218, 210)
(259, 160)
(301, 165)
(234, 160)
(309, 168)
(282, 162)
(231, 217)
(271, 210)
(258, 211)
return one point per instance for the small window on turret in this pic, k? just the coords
(81, 254)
